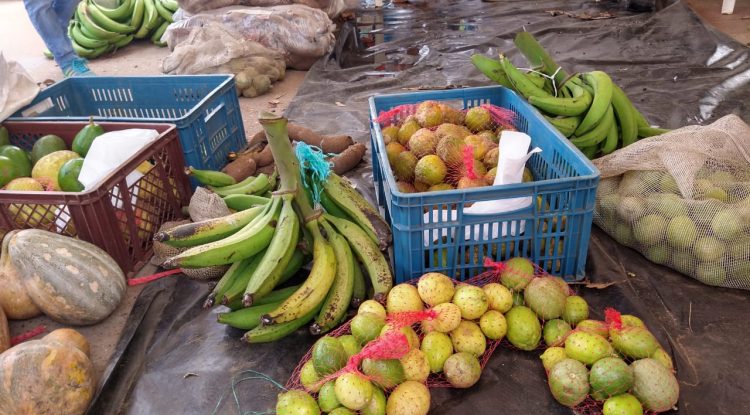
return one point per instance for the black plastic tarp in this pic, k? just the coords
(174, 358)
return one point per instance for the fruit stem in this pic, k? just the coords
(286, 161)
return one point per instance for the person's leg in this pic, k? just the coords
(51, 29)
(65, 10)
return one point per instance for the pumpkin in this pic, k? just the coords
(47, 376)
(13, 298)
(71, 281)
(70, 337)
(4, 332)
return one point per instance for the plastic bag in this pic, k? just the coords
(299, 33)
(17, 89)
(214, 49)
(331, 7)
(682, 199)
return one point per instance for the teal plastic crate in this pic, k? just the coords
(557, 226)
(204, 108)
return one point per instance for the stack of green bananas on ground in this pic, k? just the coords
(96, 30)
(269, 239)
(589, 109)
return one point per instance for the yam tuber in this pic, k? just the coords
(267, 169)
(348, 159)
(327, 143)
(263, 157)
(242, 167)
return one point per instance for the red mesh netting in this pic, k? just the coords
(402, 320)
(502, 117)
(395, 345)
(592, 407)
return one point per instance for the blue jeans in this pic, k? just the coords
(50, 19)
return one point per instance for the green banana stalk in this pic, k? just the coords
(359, 289)
(279, 253)
(297, 261)
(119, 13)
(123, 42)
(80, 50)
(233, 296)
(537, 56)
(103, 21)
(602, 85)
(340, 294)
(150, 19)
(536, 79)
(612, 140)
(226, 281)
(359, 209)
(624, 112)
(311, 294)
(331, 207)
(80, 38)
(244, 187)
(209, 230)
(250, 240)
(246, 318)
(369, 255)
(137, 17)
(566, 125)
(158, 33)
(578, 104)
(492, 69)
(277, 296)
(163, 12)
(266, 334)
(210, 177)
(243, 202)
(598, 133)
(590, 152)
(89, 27)
(521, 83)
(171, 5)
(645, 132)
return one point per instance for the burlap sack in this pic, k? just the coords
(682, 199)
(206, 205)
(163, 251)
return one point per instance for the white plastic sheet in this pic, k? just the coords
(17, 88)
(513, 155)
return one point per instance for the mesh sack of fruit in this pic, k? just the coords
(432, 332)
(682, 199)
(616, 366)
(432, 146)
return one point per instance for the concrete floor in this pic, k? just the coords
(19, 41)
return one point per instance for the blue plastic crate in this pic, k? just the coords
(557, 226)
(204, 108)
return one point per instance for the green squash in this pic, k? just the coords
(83, 140)
(67, 177)
(46, 145)
(7, 170)
(47, 376)
(19, 158)
(14, 300)
(71, 281)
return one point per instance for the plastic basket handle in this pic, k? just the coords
(211, 114)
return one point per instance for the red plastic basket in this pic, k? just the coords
(434, 380)
(118, 218)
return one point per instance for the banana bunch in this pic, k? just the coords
(589, 109)
(95, 30)
(269, 239)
